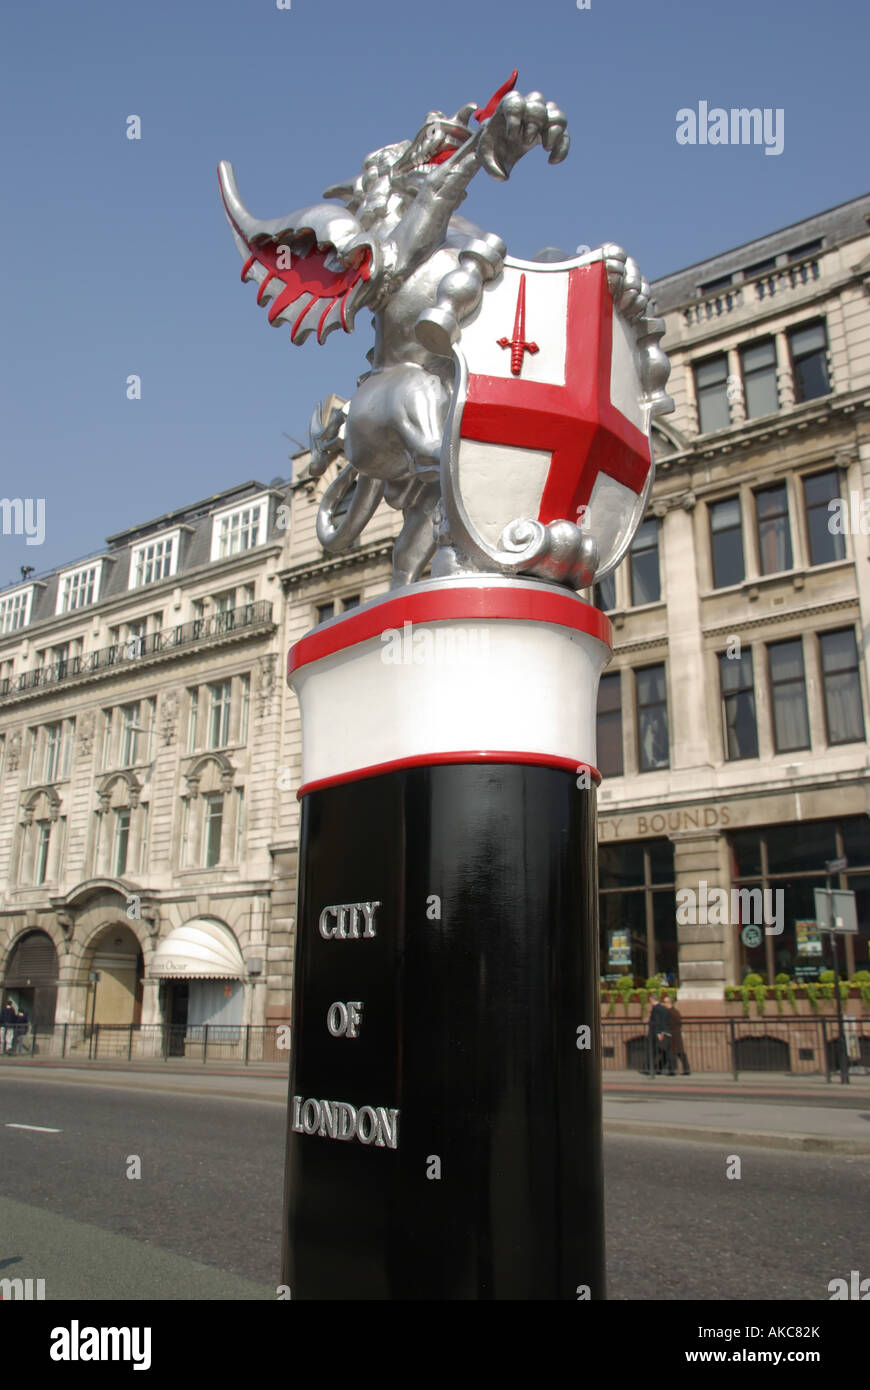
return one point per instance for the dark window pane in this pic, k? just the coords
(825, 544)
(774, 537)
(710, 387)
(324, 611)
(809, 248)
(800, 848)
(856, 840)
(620, 866)
(661, 860)
(605, 593)
(790, 721)
(665, 933)
(653, 747)
(760, 268)
(644, 558)
(746, 853)
(625, 912)
(610, 726)
(843, 709)
(352, 602)
(809, 360)
(726, 535)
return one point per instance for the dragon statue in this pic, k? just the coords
(396, 246)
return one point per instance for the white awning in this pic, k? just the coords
(200, 950)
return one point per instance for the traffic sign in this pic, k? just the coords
(835, 910)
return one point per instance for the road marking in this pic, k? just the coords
(43, 1129)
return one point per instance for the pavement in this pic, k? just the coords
(764, 1110)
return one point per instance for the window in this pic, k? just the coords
(129, 734)
(219, 714)
(325, 611)
(120, 840)
(726, 542)
(604, 593)
(15, 610)
(652, 718)
(192, 712)
(738, 705)
(153, 560)
(819, 490)
(636, 900)
(240, 823)
(238, 530)
(722, 282)
(78, 588)
(245, 683)
(644, 564)
(760, 268)
(791, 730)
(711, 384)
(51, 764)
(758, 364)
(809, 361)
(352, 602)
(774, 535)
(610, 725)
(108, 724)
(809, 248)
(212, 823)
(43, 844)
(843, 712)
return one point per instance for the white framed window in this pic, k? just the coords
(79, 587)
(15, 610)
(244, 718)
(240, 823)
(219, 714)
(239, 528)
(52, 752)
(153, 560)
(212, 827)
(192, 718)
(121, 840)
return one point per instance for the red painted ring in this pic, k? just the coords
(530, 605)
(439, 759)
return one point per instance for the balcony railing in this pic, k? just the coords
(135, 650)
(751, 292)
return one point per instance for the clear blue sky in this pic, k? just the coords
(117, 258)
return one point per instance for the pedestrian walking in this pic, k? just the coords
(675, 1019)
(658, 1025)
(22, 1019)
(8, 1016)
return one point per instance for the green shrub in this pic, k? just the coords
(626, 982)
(826, 977)
(782, 979)
(861, 977)
(753, 981)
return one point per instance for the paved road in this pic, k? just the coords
(204, 1219)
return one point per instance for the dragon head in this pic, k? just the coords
(393, 176)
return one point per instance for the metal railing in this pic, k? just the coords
(798, 1046)
(138, 649)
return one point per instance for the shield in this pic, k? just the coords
(550, 422)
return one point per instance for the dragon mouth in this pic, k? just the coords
(436, 147)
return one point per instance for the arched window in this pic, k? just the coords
(212, 815)
(120, 830)
(41, 838)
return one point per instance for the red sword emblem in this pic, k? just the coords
(517, 343)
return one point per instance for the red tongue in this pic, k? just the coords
(440, 157)
(496, 97)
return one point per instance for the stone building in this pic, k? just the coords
(149, 745)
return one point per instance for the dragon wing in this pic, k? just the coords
(317, 266)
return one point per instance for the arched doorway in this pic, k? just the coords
(31, 978)
(116, 996)
(202, 976)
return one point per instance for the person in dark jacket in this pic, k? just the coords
(658, 1037)
(675, 1019)
(7, 1026)
(21, 1021)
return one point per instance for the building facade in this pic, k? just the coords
(150, 747)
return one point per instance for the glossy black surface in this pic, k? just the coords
(469, 1028)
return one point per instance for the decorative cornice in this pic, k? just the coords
(815, 414)
(781, 616)
(317, 569)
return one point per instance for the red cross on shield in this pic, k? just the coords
(549, 420)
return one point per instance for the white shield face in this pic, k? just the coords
(549, 421)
